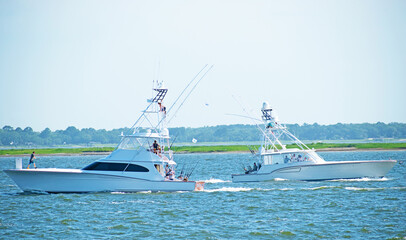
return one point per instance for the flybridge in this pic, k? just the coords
(152, 124)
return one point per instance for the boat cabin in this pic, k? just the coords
(289, 156)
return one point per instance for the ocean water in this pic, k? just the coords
(280, 209)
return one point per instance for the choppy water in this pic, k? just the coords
(354, 209)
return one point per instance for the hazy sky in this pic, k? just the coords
(91, 63)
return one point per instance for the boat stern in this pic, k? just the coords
(199, 186)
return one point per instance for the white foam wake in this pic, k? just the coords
(280, 179)
(362, 180)
(213, 180)
(229, 189)
(362, 189)
(373, 189)
(145, 192)
(320, 187)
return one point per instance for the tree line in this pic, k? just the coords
(221, 133)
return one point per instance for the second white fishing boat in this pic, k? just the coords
(301, 163)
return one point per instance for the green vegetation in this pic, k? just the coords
(54, 151)
(358, 146)
(211, 149)
(90, 137)
(244, 148)
(206, 149)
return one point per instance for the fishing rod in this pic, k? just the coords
(181, 172)
(187, 171)
(256, 119)
(243, 167)
(251, 150)
(173, 141)
(252, 118)
(192, 170)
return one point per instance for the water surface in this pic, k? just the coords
(353, 209)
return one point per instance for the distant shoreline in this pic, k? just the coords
(342, 149)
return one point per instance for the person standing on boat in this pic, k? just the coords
(32, 160)
(171, 174)
(166, 170)
(162, 108)
(155, 146)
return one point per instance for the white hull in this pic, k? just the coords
(318, 171)
(78, 181)
(142, 160)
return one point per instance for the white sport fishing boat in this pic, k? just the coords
(143, 161)
(301, 163)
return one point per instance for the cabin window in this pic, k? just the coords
(296, 157)
(159, 168)
(268, 160)
(277, 159)
(136, 168)
(103, 166)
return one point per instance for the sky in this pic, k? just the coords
(92, 63)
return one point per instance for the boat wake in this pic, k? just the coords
(245, 189)
(363, 189)
(374, 189)
(213, 180)
(362, 180)
(229, 189)
(242, 189)
(280, 179)
(139, 192)
(320, 188)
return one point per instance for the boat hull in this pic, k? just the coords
(77, 181)
(319, 171)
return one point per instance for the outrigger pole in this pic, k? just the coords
(187, 96)
(260, 129)
(143, 116)
(238, 115)
(186, 88)
(188, 93)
